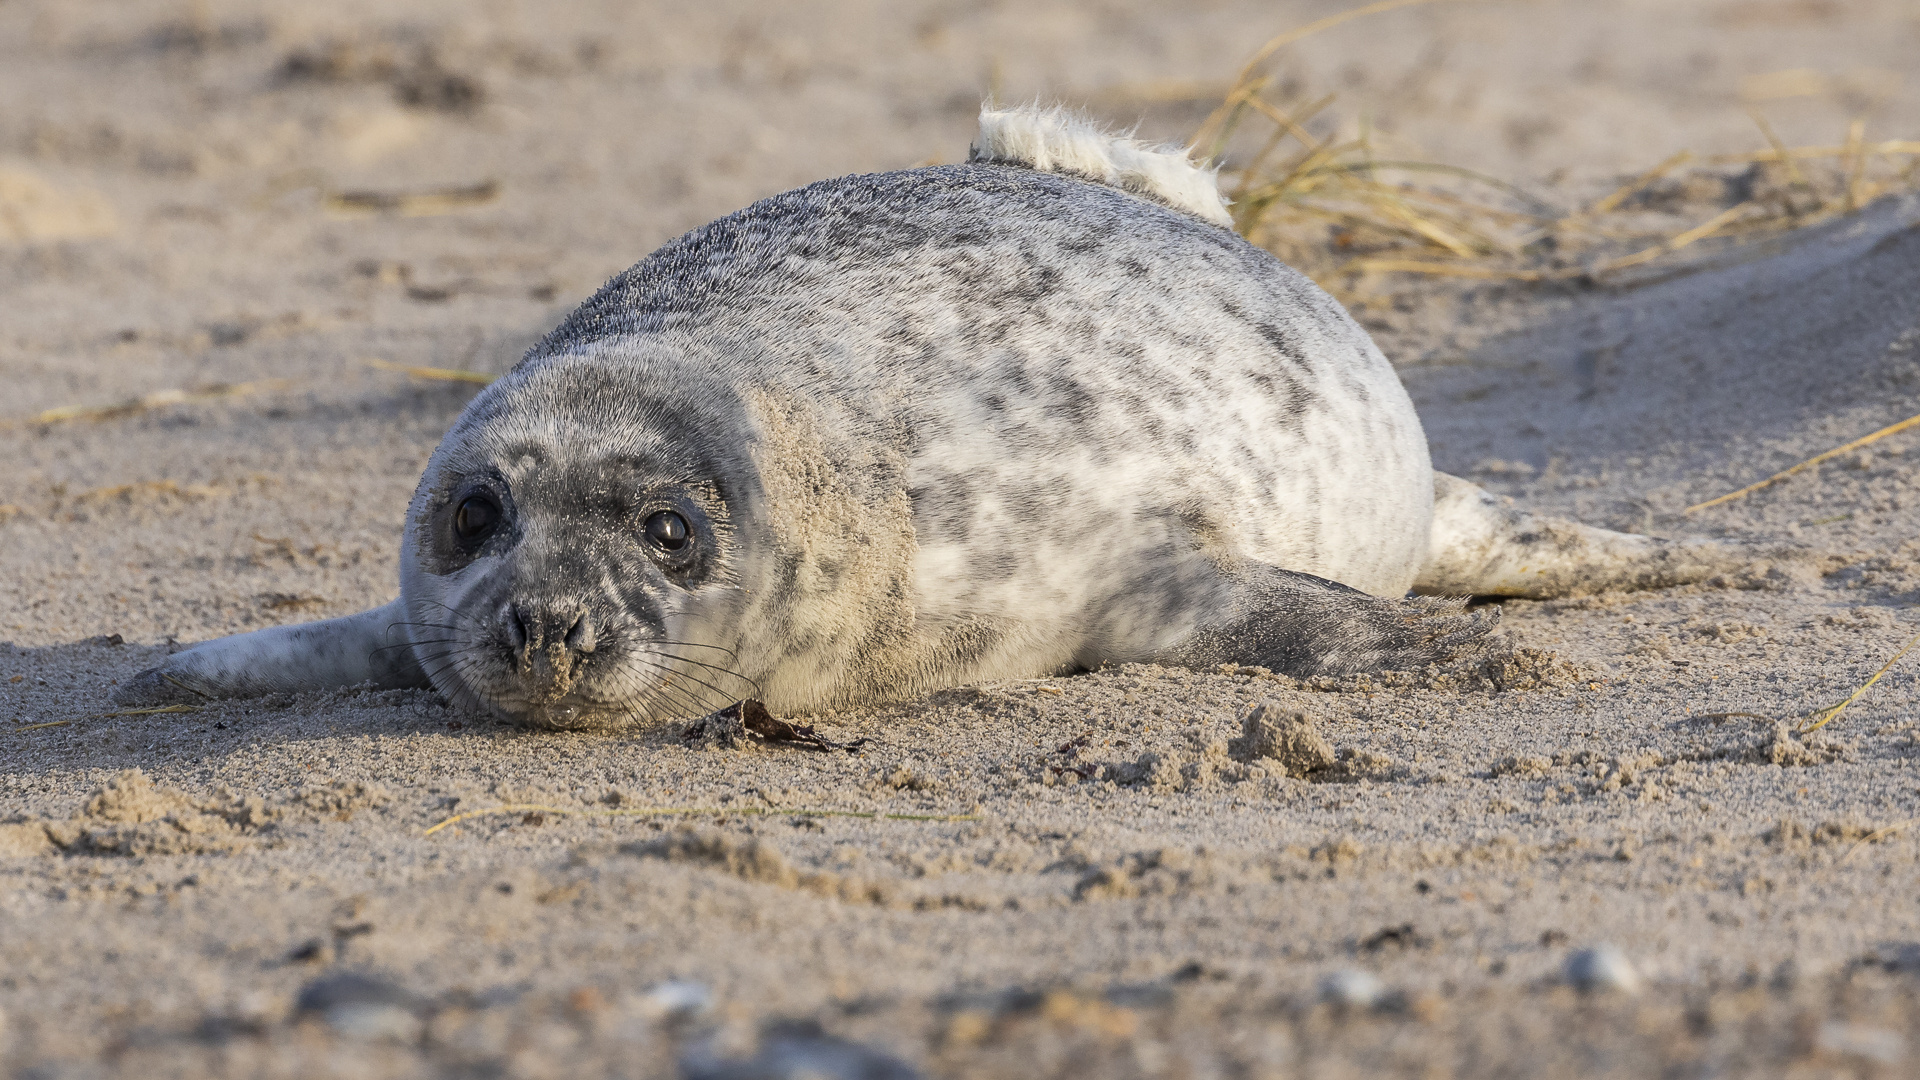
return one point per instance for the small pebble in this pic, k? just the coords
(370, 1023)
(674, 999)
(805, 1057)
(1353, 989)
(361, 1007)
(1602, 968)
(1857, 1040)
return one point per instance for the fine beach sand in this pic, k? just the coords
(226, 213)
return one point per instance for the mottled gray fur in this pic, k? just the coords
(930, 427)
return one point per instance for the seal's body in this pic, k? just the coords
(889, 433)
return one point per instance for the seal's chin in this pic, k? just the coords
(559, 716)
(499, 690)
(539, 695)
(564, 714)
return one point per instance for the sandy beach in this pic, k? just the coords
(1606, 848)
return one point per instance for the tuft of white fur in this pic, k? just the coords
(1058, 140)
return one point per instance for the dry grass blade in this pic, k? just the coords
(1856, 173)
(1398, 208)
(691, 811)
(107, 715)
(1829, 713)
(1447, 269)
(1694, 235)
(1878, 835)
(412, 203)
(1832, 712)
(1285, 126)
(1440, 198)
(1787, 155)
(1239, 92)
(1247, 83)
(438, 374)
(1890, 429)
(1637, 184)
(154, 400)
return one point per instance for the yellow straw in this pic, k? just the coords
(1833, 711)
(442, 374)
(1890, 429)
(105, 715)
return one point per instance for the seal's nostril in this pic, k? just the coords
(516, 627)
(580, 638)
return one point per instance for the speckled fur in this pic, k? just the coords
(939, 426)
(1085, 404)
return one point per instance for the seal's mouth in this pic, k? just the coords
(558, 668)
(570, 712)
(560, 716)
(654, 691)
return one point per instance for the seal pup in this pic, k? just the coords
(889, 433)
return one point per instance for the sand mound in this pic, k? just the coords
(129, 816)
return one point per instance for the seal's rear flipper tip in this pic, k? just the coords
(1061, 141)
(1482, 545)
(152, 688)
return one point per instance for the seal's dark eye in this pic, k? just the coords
(475, 517)
(668, 530)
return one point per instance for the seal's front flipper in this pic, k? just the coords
(1484, 546)
(371, 647)
(1303, 625)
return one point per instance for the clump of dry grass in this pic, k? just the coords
(1335, 208)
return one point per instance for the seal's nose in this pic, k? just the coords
(549, 643)
(537, 628)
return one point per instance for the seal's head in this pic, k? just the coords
(571, 551)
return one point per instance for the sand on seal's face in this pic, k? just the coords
(1134, 893)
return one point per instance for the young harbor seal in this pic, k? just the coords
(883, 434)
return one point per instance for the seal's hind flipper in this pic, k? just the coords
(1060, 141)
(1301, 625)
(371, 647)
(1482, 545)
